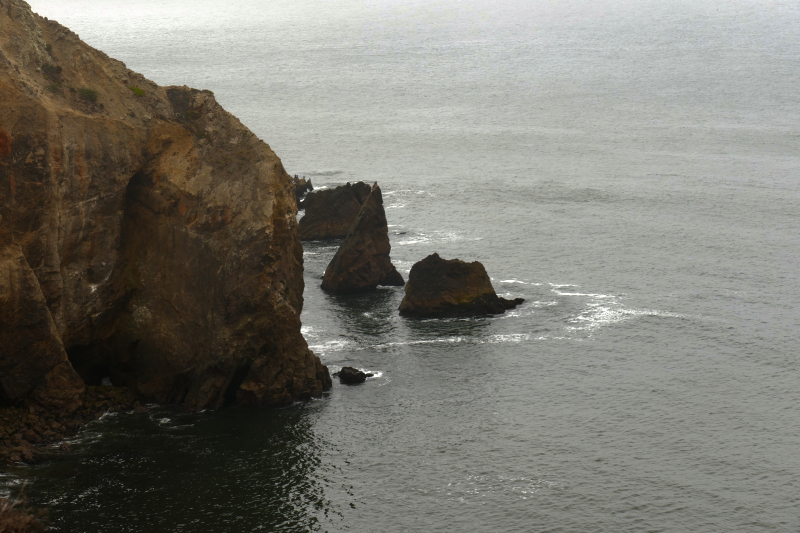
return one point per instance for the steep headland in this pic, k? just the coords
(146, 236)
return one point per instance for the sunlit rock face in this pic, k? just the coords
(146, 236)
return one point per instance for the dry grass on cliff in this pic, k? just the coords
(15, 518)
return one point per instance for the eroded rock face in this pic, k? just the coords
(330, 213)
(440, 288)
(159, 235)
(362, 262)
(33, 362)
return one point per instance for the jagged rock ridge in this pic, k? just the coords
(145, 235)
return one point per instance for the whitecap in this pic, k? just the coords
(332, 346)
(591, 295)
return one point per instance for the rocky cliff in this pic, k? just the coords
(146, 236)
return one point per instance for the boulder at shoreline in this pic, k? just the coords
(362, 261)
(330, 213)
(440, 288)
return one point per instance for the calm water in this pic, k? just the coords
(632, 169)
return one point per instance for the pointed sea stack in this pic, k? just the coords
(330, 213)
(362, 261)
(441, 288)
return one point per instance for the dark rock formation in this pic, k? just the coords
(145, 235)
(301, 187)
(352, 376)
(28, 435)
(33, 362)
(362, 261)
(330, 213)
(439, 288)
(15, 517)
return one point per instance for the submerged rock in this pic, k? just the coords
(439, 288)
(145, 235)
(362, 261)
(352, 376)
(330, 213)
(301, 187)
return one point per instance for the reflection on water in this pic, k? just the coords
(168, 470)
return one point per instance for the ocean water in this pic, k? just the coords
(630, 168)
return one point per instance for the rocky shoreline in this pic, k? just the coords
(29, 434)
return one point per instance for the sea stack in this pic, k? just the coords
(362, 261)
(147, 237)
(329, 213)
(439, 288)
(301, 187)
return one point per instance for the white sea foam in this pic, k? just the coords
(597, 315)
(436, 237)
(309, 332)
(591, 295)
(332, 346)
(408, 192)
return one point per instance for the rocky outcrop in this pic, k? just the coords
(29, 435)
(352, 376)
(146, 236)
(362, 261)
(440, 288)
(301, 187)
(330, 213)
(17, 518)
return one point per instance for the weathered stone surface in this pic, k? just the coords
(161, 233)
(33, 362)
(301, 187)
(451, 288)
(330, 213)
(362, 261)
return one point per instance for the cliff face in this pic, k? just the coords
(145, 235)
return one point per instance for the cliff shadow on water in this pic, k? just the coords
(157, 466)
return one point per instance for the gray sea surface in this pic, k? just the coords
(630, 168)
